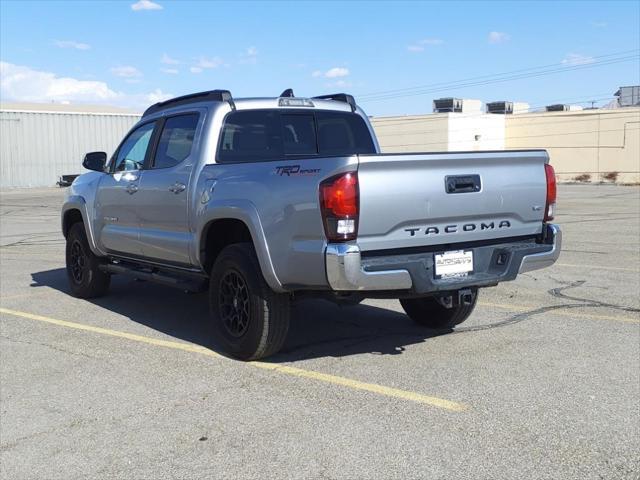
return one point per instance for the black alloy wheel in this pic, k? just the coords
(234, 304)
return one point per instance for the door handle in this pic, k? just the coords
(132, 188)
(177, 187)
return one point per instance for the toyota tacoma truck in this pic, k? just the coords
(260, 201)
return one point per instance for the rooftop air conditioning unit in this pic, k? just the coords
(561, 107)
(447, 105)
(457, 105)
(500, 107)
(628, 96)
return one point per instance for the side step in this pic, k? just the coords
(189, 282)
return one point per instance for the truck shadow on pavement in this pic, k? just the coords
(318, 328)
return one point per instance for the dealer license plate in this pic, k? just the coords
(453, 264)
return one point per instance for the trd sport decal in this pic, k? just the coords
(294, 170)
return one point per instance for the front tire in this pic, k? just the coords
(429, 312)
(83, 267)
(250, 321)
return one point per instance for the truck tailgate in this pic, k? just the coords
(427, 199)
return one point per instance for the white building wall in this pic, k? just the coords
(475, 132)
(37, 147)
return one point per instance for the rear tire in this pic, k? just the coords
(83, 267)
(430, 313)
(250, 321)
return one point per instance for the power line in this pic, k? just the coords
(503, 79)
(488, 76)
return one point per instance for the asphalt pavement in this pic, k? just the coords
(543, 381)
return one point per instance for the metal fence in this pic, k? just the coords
(37, 147)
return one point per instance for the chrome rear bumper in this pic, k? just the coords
(346, 272)
(544, 259)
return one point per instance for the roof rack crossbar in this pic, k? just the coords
(340, 97)
(215, 95)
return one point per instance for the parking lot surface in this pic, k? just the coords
(543, 381)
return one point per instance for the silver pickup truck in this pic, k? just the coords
(263, 200)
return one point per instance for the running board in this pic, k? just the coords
(195, 283)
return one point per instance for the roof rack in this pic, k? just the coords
(340, 97)
(211, 95)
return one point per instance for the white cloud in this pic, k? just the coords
(25, 84)
(498, 37)
(209, 62)
(206, 63)
(170, 71)
(252, 51)
(71, 44)
(167, 60)
(126, 71)
(415, 48)
(145, 5)
(334, 72)
(577, 59)
(158, 96)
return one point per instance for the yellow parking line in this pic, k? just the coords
(599, 267)
(287, 370)
(524, 308)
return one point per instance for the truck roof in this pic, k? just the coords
(337, 101)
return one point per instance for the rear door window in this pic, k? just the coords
(176, 140)
(251, 136)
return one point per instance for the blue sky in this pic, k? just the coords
(133, 53)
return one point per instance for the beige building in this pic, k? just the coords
(587, 145)
(39, 143)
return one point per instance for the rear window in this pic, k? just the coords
(262, 135)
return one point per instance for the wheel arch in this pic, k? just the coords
(74, 210)
(233, 225)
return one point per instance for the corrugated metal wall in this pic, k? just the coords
(36, 148)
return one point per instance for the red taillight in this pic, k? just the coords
(550, 206)
(339, 202)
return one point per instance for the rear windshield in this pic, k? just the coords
(260, 135)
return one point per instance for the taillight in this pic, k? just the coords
(550, 207)
(340, 204)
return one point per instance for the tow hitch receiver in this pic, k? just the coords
(463, 297)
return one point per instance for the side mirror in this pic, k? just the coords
(95, 161)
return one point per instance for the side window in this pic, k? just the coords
(299, 134)
(176, 140)
(132, 152)
(251, 136)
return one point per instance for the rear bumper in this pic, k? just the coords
(350, 270)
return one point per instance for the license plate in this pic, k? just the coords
(455, 263)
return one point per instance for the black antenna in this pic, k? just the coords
(287, 93)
